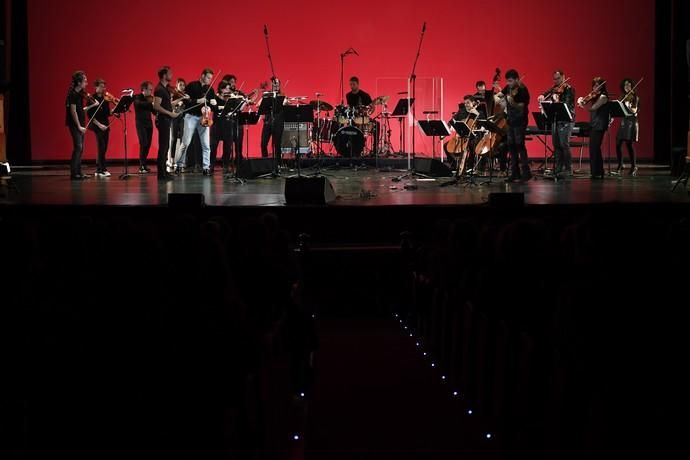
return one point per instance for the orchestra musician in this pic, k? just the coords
(484, 98)
(223, 129)
(514, 98)
(99, 114)
(356, 97)
(177, 123)
(234, 124)
(469, 108)
(273, 123)
(162, 104)
(561, 91)
(143, 109)
(628, 132)
(75, 121)
(596, 102)
(201, 95)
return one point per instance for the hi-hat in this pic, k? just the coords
(321, 105)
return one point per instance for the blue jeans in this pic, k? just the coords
(192, 123)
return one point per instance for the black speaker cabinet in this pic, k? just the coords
(308, 190)
(254, 167)
(432, 167)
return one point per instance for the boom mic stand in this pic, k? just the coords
(413, 83)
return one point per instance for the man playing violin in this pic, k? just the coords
(99, 114)
(234, 125)
(561, 132)
(201, 95)
(223, 130)
(515, 99)
(143, 109)
(162, 104)
(596, 102)
(75, 121)
(274, 123)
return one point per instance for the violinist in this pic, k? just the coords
(628, 132)
(561, 91)
(143, 109)
(162, 104)
(235, 127)
(75, 121)
(99, 114)
(177, 123)
(514, 98)
(223, 128)
(201, 95)
(596, 102)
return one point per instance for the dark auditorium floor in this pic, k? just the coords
(363, 187)
(376, 398)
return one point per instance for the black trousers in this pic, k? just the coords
(102, 142)
(164, 128)
(596, 159)
(631, 152)
(272, 129)
(77, 150)
(144, 133)
(561, 147)
(222, 131)
(518, 151)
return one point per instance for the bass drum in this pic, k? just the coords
(349, 142)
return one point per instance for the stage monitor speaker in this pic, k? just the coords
(504, 200)
(295, 135)
(255, 167)
(432, 167)
(186, 200)
(308, 190)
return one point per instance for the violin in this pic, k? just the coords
(557, 90)
(87, 97)
(595, 93)
(110, 98)
(149, 98)
(176, 93)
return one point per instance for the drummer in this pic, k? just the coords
(356, 97)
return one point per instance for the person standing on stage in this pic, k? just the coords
(273, 123)
(222, 131)
(99, 114)
(162, 104)
(515, 99)
(561, 92)
(234, 126)
(597, 105)
(177, 124)
(75, 121)
(200, 95)
(143, 109)
(629, 129)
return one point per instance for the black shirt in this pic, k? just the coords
(518, 116)
(101, 115)
(196, 91)
(361, 98)
(143, 110)
(166, 101)
(486, 103)
(74, 98)
(600, 117)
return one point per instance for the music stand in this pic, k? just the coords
(555, 112)
(300, 114)
(122, 108)
(434, 129)
(401, 110)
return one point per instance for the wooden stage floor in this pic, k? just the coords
(364, 187)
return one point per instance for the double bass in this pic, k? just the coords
(491, 139)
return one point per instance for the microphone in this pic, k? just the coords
(354, 51)
(318, 94)
(424, 27)
(265, 30)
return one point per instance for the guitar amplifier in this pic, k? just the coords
(296, 135)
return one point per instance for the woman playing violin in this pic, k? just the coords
(628, 132)
(596, 102)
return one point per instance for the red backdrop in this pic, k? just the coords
(126, 41)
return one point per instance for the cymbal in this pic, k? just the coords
(381, 100)
(321, 105)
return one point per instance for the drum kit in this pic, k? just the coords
(350, 131)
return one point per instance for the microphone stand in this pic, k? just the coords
(275, 173)
(413, 96)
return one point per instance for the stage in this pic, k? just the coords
(354, 186)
